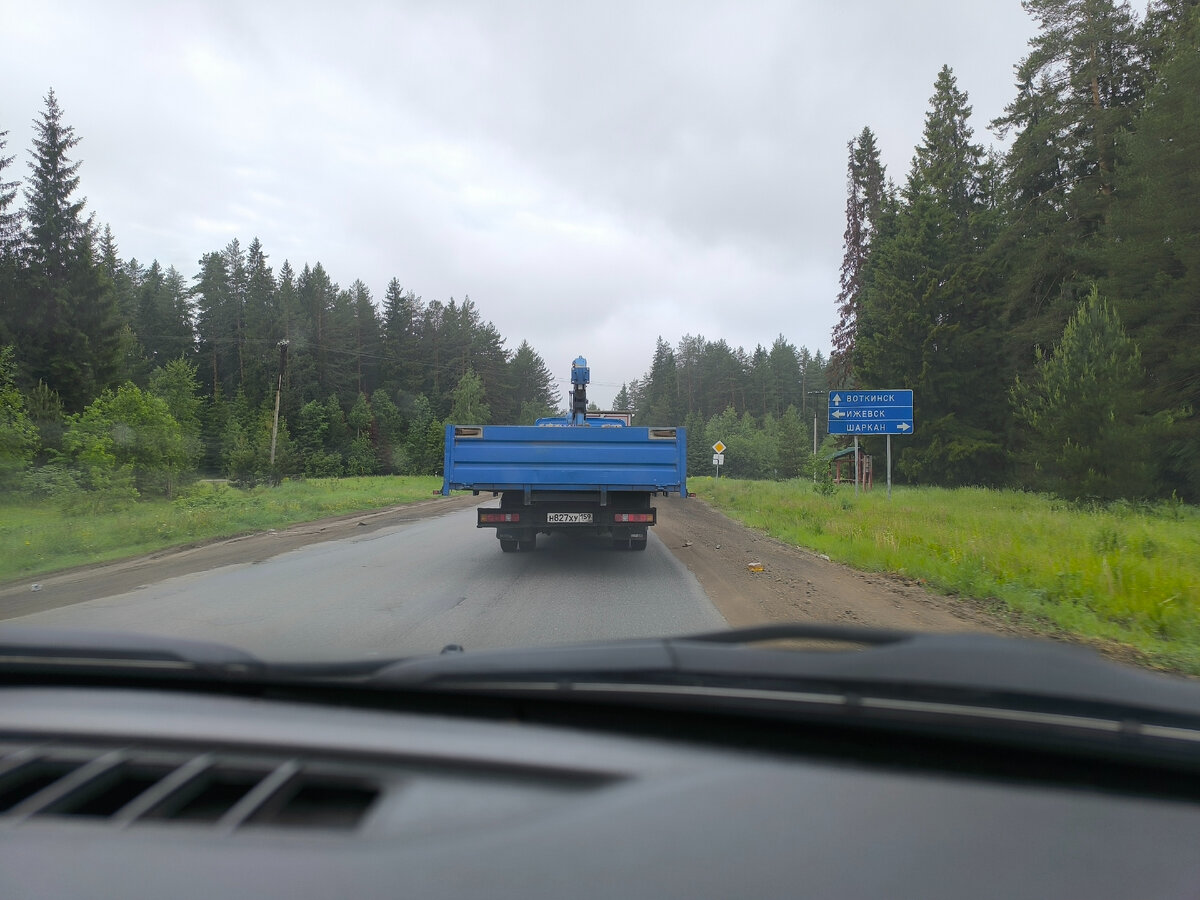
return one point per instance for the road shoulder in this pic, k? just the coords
(797, 584)
(43, 592)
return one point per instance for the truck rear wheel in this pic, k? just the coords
(509, 546)
(638, 543)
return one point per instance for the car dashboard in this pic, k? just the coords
(118, 792)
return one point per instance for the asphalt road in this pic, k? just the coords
(412, 588)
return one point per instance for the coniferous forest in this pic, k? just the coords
(1041, 300)
(126, 378)
(1041, 296)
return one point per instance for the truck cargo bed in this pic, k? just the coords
(540, 458)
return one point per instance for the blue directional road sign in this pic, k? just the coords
(871, 412)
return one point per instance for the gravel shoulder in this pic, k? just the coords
(799, 585)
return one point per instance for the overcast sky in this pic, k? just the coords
(592, 175)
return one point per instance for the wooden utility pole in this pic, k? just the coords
(283, 345)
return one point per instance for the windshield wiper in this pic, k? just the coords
(67, 650)
(840, 667)
(846, 662)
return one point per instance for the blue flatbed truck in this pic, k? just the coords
(578, 473)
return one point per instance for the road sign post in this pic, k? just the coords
(718, 457)
(885, 412)
(889, 465)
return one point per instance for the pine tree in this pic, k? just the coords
(1079, 87)
(1085, 430)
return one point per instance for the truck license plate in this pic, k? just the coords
(561, 518)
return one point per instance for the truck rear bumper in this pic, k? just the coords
(566, 517)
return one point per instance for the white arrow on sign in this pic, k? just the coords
(838, 414)
(903, 426)
(837, 399)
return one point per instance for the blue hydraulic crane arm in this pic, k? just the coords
(580, 376)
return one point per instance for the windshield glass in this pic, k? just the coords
(359, 333)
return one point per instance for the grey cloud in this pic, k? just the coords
(590, 173)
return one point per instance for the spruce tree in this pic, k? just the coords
(867, 199)
(926, 320)
(1154, 244)
(10, 218)
(11, 238)
(367, 338)
(534, 394)
(163, 316)
(67, 323)
(621, 401)
(264, 324)
(402, 312)
(214, 327)
(662, 389)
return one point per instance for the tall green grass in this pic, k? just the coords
(39, 537)
(1124, 572)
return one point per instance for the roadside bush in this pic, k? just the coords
(361, 459)
(247, 451)
(52, 481)
(18, 435)
(128, 439)
(819, 468)
(204, 495)
(323, 464)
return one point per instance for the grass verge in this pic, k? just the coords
(42, 537)
(1128, 573)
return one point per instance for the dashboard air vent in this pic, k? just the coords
(225, 791)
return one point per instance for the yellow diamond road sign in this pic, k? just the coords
(718, 447)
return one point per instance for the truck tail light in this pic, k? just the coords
(493, 518)
(624, 518)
